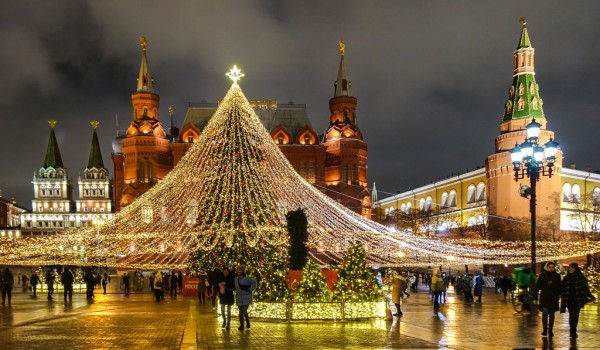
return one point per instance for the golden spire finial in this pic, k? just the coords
(171, 111)
(522, 20)
(94, 124)
(235, 74)
(342, 47)
(143, 42)
(52, 123)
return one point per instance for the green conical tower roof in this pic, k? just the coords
(95, 159)
(524, 99)
(53, 158)
(524, 40)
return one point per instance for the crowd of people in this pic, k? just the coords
(549, 292)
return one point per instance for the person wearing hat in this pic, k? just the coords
(548, 287)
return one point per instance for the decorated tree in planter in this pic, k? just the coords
(356, 282)
(313, 286)
(271, 274)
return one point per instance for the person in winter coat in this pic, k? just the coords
(6, 284)
(157, 286)
(478, 285)
(226, 288)
(50, 283)
(397, 286)
(67, 279)
(437, 286)
(575, 293)
(34, 280)
(173, 284)
(505, 285)
(244, 286)
(549, 288)
(202, 282)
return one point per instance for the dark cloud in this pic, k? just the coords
(431, 77)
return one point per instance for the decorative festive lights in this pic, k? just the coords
(230, 192)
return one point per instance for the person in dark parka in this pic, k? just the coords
(548, 286)
(226, 299)
(575, 293)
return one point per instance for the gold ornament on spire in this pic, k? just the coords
(52, 123)
(522, 20)
(94, 124)
(235, 74)
(171, 111)
(342, 48)
(143, 42)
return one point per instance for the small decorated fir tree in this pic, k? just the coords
(271, 274)
(356, 282)
(313, 286)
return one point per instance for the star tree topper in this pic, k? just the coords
(235, 74)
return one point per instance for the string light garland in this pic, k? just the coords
(232, 189)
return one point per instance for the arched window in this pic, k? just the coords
(422, 204)
(306, 139)
(532, 88)
(149, 173)
(576, 193)
(403, 208)
(480, 191)
(471, 194)
(344, 172)
(567, 193)
(452, 199)
(302, 170)
(508, 107)
(428, 203)
(140, 172)
(471, 221)
(408, 208)
(596, 196)
(311, 173)
(534, 103)
(445, 200)
(521, 89)
(521, 104)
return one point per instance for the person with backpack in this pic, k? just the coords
(33, 281)
(244, 286)
(437, 286)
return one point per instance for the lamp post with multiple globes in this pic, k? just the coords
(532, 160)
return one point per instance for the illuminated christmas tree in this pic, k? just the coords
(271, 274)
(356, 281)
(313, 286)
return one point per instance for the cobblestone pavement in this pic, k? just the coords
(115, 321)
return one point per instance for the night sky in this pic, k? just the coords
(431, 77)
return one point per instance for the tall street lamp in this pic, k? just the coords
(532, 160)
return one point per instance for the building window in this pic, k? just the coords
(140, 172)
(532, 88)
(306, 139)
(445, 200)
(422, 204)
(521, 89)
(302, 171)
(452, 199)
(344, 172)
(576, 193)
(521, 104)
(534, 103)
(190, 138)
(471, 194)
(480, 192)
(352, 173)
(311, 173)
(280, 140)
(567, 193)
(149, 174)
(428, 203)
(596, 196)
